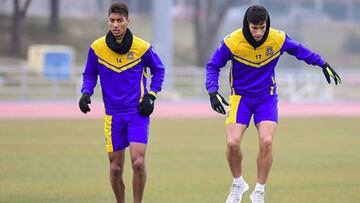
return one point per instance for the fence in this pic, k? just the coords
(301, 84)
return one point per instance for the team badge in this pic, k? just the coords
(130, 55)
(269, 51)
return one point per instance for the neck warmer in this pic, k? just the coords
(248, 36)
(120, 48)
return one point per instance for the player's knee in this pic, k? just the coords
(233, 145)
(116, 171)
(138, 164)
(266, 144)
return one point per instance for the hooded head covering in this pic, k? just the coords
(247, 34)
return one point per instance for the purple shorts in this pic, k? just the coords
(242, 108)
(121, 129)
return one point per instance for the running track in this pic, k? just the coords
(69, 110)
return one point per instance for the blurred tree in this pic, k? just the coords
(18, 19)
(54, 21)
(207, 19)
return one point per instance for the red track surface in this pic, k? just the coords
(69, 110)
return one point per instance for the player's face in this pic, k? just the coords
(118, 24)
(257, 31)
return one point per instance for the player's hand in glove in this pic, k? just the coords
(330, 72)
(84, 103)
(146, 106)
(217, 102)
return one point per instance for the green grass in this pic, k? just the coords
(316, 160)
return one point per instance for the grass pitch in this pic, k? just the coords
(316, 160)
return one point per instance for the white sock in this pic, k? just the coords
(259, 187)
(239, 181)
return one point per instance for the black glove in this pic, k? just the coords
(146, 106)
(330, 72)
(217, 102)
(84, 103)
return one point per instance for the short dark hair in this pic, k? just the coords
(120, 8)
(257, 14)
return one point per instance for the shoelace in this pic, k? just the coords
(234, 191)
(259, 196)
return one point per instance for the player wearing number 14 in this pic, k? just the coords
(121, 60)
(254, 51)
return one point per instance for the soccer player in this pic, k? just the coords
(254, 52)
(121, 59)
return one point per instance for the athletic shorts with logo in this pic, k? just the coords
(243, 108)
(121, 129)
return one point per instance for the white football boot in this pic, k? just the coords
(236, 192)
(257, 197)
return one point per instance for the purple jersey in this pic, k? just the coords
(252, 72)
(122, 76)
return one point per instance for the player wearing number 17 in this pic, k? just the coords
(254, 51)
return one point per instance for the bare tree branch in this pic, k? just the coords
(18, 19)
(26, 6)
(54, 20)
(206, 22)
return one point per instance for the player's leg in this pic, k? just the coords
(116, 174)
(234, 134)
(137, 153)
(266, 131)
(116, 142)
(138, 132)
(236, 123)
(265, 118)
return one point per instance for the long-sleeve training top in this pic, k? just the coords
(252, 73)
(122, 76)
